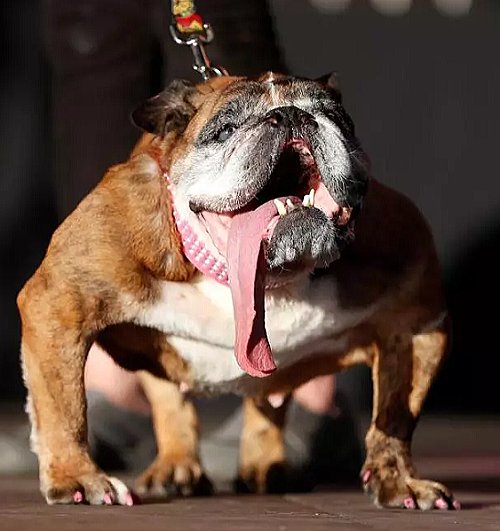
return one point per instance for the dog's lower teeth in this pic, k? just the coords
(281, 207)
(311, 197)
(284, 209)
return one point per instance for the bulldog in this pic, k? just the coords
(243, 247)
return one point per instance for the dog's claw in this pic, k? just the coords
(440, 503)
(409, 503)
(406, 491)
(132, 499)
(92, 489)
(168, 476)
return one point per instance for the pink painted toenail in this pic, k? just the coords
(456, 505)
(366, 476)
(132, 499)
(441, 504)
(78, 497)
(107, 499)
(409, 503)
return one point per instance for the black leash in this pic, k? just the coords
(188, 29)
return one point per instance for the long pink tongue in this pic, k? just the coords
(246, 272)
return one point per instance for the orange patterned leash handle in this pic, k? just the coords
(188, 28)
(187, 20)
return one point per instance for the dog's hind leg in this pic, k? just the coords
(177, 466)
(262, 450)
(404, 367)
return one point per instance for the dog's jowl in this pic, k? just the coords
(243, 247)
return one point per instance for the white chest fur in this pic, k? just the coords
(301, 321)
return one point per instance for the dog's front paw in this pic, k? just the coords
(92, 488)
(393, 486)
(388, 475)
(174, 475)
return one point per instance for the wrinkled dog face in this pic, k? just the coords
(275, 140)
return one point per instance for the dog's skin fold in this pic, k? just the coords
(353, 279)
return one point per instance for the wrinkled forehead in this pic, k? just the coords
(267, 92)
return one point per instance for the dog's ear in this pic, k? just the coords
(171, 110)
(332, 81)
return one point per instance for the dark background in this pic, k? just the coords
(423, 88)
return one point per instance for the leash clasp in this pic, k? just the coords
(188, 29)
(197, 42)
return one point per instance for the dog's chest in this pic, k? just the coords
(198, 318)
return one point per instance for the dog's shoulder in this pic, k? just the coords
(109, 212)
(125, 223)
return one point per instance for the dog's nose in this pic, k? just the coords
(289, 116)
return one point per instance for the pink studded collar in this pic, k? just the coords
(195, 250)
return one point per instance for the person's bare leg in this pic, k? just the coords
(119, 411)
(322, 440)
(120, 427)
(317, 395)
(123, 388)
(120, 387)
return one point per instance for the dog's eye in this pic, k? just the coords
(224, 133)
(339, 116)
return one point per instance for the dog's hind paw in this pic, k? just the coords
(94, 489)
(170, 475)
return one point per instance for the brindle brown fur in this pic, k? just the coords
(120, 239)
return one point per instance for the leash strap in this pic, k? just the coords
(188, 29)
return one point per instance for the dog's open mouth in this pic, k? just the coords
(231, 246)
(294, 183)
(297, 180)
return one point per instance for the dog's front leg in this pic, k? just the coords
(262, 450)
(404, 367)
(53, 356)
(177, 465)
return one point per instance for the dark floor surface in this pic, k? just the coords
(462, 452)
(475, 481)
